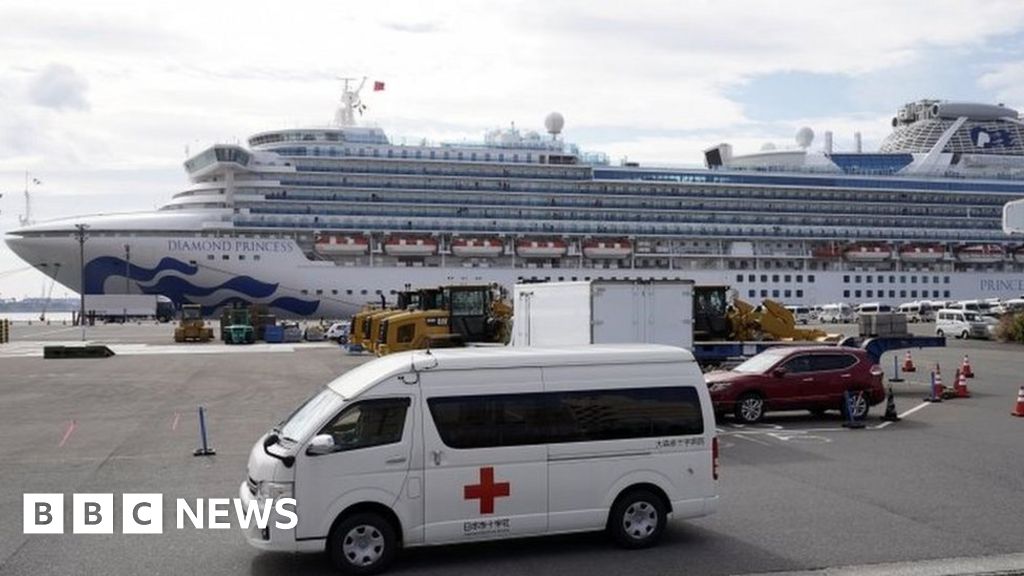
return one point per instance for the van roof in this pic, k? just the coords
(360, 378)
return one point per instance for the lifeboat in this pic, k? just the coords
(826, 252)
(868, 252)
(477, 247)
(410, 246)
(607, 249)
(341, 244)
(541, 248)
(981, 253)
(1018, 255)
(922, 252)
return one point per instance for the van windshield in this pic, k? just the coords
(310, 414)
(972, 317)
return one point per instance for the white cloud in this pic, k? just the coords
(59, 87)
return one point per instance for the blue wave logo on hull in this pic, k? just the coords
(181, 291)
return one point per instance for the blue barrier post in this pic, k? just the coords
(851, 421)
(895, 369)
(205, 449)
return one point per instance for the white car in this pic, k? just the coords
(339, 332)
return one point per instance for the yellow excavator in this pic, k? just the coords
(770, 321)
(478, 314)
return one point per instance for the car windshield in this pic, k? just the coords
(310, 414)
(972, 317)
(760, 363)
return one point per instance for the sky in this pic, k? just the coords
(102, 101)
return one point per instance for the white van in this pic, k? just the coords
(471, 444)
(801, 314)
(836, 314)
(917, 311)
(873, 308)
(961, 324)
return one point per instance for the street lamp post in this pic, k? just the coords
(80, 234)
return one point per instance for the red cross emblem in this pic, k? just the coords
(486, 490)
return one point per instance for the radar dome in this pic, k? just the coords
(554, 123)
(804, 137)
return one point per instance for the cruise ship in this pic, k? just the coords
(318, 222)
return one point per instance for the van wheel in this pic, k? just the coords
(637, 519)
(363, 544)
(964, 335)
(940, 333)
(750, 408)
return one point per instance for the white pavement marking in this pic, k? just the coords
(998, 564)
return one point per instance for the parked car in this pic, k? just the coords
(339, 332)
(803, 378)
(801, 314)
(836, 314)
(962, 324)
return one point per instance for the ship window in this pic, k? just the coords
(903, 279)
(349, 292)
(787, 278)
(787, 293)
(764, 278)
(376, 291)
(751, 293)
(881, 279)
(750, 277)
(945, 294)
(363, 292)
(191, 262)
(913, 279)
(846, 279)
(225, 257)
(846, 293)
(945, 280)
(775, 293)
(935, 279)
(892, 279)
(913, 293)
(871, 293)
(241, 256)
(799, 293)
(867, 279)
(775, 277)
(799, 278)
(209, 256)
(304, 291)
(319, 292)
(903, 293)
(334, 292)
(764, 293)
(856, 293)
(924, 279)
(255, 256)
(892, 294)
(739, 278)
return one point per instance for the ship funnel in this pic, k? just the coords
(857, 144)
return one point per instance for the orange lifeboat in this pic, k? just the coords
(862, 252)
(607, 249)
(341, 244)
(410, 246)
(922, 252)
(981, 253)
(528, 248)
(827, 252)
(477, 247)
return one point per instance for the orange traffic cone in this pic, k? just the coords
(908, 363)
(965, 369)
(960, 388)
(1019, 410)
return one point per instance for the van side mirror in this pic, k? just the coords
(321, 444)
(779, 372)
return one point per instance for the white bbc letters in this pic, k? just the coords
(92, 513)
(43, 513)
(142, 513)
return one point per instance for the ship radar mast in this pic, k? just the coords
(350, 103)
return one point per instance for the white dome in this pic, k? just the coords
(554, 123)
(804, 137)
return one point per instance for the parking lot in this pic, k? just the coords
(797, 492)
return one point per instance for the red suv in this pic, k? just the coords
(803, 378)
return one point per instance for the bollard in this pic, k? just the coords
(851, 422)
(205, 449)
(895, 370)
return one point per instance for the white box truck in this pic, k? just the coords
(116, 307)
(604, 312)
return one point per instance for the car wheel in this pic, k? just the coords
(859, 406)
(940, 333)
(637, 519)
(363, 544)
(750, 408)
(965, 335)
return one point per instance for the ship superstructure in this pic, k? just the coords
(316, 222)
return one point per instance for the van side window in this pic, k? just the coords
(560, 417)
(368, 423)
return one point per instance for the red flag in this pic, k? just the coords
(378, 86)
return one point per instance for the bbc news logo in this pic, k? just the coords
(144, 513)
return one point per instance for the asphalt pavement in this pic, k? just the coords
(797, 493)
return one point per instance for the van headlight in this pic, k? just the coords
(273, 490)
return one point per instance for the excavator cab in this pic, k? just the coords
(710, 313)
